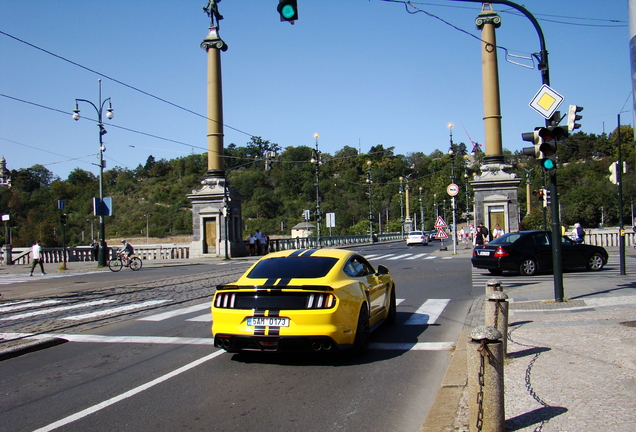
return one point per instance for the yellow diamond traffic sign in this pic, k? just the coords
(546, 101)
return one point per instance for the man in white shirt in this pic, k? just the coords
(36, 252)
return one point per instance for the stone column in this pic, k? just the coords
(487, 22)
(216, 208)
(496, 191)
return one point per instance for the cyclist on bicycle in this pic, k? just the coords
(127, 250)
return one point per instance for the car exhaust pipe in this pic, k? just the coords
(326, 346)
(316, 346)
(226, 343)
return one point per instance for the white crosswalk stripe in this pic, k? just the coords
(7, 279)
(55, 310)
(177, 312)
(115, 310)
(25, 304)
(416, 256)
(399, 257)
(428, 313)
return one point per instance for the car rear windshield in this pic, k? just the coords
(293, 267)
(506, 239)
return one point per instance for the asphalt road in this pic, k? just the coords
(155, 369)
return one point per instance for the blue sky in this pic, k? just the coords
(357, 72)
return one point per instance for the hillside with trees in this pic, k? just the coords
(276, 198)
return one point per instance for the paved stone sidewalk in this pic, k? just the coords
(571, 366)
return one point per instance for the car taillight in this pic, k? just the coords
(320, 301)
(501, 252)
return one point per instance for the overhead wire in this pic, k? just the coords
(121, 82)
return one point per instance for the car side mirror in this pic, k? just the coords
(382, 269)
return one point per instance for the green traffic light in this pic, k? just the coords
(549, 164)
(287, 11)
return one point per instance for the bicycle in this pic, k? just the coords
(134, 263)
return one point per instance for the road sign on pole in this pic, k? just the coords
(546, 101)
(452, 189)
(441, 234)
(440, 223)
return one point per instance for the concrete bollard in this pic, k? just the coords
(493, 285)
(496, 315)
(485, 380)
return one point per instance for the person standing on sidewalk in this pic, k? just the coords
(36, 255)
(95, 249)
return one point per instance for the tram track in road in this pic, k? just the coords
(81, 311)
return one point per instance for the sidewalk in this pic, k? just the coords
(571, 366)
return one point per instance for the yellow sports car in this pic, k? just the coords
(304, 300)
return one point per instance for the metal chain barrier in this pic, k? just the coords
(480, 394)
(528, 378)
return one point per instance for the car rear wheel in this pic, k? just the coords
(363, 333)
(528, 267)
(596, 262)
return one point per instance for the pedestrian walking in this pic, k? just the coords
(264, 243)
(252, 244)
(497, 232)
(481, 236)
(578, 233)
(36, 255)
(95, 249)
(259, 240)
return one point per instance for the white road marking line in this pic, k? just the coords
(398, 257)
(176, 312)
(21, 278)
(419, 346)
(428, 313)
(417, 256)
(384, 256)
(447, 257)
(84, 338)
(55, 309)
(430, 257)
(24, 304)
(115, 310)
(163, 340)
(129, 393)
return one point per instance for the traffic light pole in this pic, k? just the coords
(619, 176)
(556, 240)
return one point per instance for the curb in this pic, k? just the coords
(443, 412)
(29, 347)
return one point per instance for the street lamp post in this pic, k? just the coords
(101, 258)
(451, 153)
(422, 227)
(317, 162)
(436, 207)
(402, 205)
(466, 177)
(370, 184)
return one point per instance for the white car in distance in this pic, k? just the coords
(417, 237)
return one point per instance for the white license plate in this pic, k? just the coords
(268, 321)
(484, 253)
